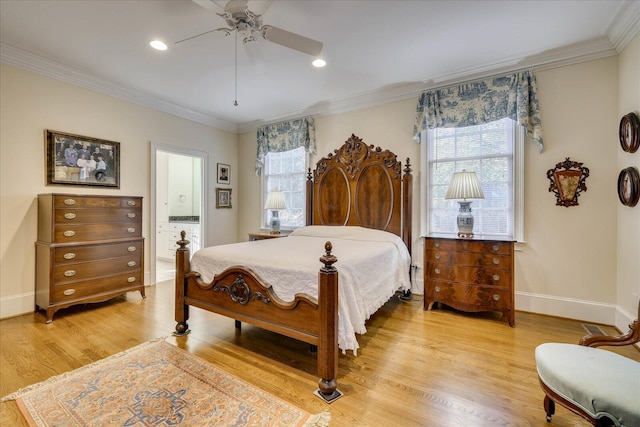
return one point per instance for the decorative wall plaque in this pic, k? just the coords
(567, 181)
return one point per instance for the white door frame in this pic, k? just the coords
(204, 200)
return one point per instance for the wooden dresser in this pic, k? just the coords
(90, 249)
(470, 274)
(263, 235)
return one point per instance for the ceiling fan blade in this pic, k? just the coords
(292, 40)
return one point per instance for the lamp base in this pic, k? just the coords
(465, 220)
(275, 223)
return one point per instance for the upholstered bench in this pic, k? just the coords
(601, 386)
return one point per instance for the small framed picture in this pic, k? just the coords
(223, 198)
(629, 186)
(82, 160)
(224, 174)
(629, 132)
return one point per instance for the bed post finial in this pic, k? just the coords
(183, 242)
(328, 259)
(407, 168)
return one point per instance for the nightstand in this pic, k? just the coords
(262, 235)
(470, 274)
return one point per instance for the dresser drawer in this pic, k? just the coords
(104, 267)
(70, 233)
(469, 297)
(95, 287)
(471, 259)
(497, 247)
(74, 254)
(88, 216)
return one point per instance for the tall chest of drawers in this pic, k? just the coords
(470, 275)
(90, 249)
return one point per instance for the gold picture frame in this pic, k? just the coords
(81, 160)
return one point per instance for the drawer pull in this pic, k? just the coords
(495, 247)
(131, 215)
(437, 289)
(437, 256)
(496, 297)
(70, 215)
(70, 273)
(436, 244)
(69, 202)
(69, 255)
(131, 230)
(131, 203)
(131, 279)
(437, 271)
(131, 248)
(131, 263)
(69, 233)
(496, 277)
(496, 261)
(68, 292)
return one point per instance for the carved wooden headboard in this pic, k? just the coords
(361, 185)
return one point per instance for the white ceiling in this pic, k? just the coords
(376, 50)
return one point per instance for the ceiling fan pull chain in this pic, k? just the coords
(235, 102)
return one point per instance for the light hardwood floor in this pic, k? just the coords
(414, 368)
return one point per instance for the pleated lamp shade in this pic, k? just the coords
(275, 201)
(464, 185)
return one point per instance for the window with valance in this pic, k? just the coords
(511, 96)
(285, 136)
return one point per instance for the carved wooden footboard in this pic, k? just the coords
(240, 294)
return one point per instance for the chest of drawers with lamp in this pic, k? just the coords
(90, 249)
(470, 274)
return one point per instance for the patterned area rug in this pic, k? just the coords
(155, 384)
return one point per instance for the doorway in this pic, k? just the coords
(178, 203)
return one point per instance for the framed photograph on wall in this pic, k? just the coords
(629, 133)
(629, 186)
(81, 160)
(224, 174)
(223, 198)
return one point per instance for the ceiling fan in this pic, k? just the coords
(248, 25)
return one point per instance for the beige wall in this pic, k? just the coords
(628, 219)
(31, 103)
(567, 265)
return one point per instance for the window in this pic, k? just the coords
(286, 171)
(493, 151)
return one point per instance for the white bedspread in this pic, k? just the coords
(372, 265)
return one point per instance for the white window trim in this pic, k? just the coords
(518, 184)
(263, 195)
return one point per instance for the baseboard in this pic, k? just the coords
(571, 308)
(16, 305)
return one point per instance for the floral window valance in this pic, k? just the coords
(285, 136)
(513, 96)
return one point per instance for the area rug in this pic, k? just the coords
(155, 384)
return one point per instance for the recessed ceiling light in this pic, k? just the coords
(158, 45)
(319, 63)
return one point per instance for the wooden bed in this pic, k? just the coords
(356, 185)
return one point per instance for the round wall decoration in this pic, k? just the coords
(629, 186)
(629, 133)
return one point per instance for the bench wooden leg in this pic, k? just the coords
(549, 407)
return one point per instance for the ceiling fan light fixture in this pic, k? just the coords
(319, 63)
(158, 45)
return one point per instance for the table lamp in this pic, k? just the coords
(464, 185)
(275, 202)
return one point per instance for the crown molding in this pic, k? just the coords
(625, 25)
(37, 64)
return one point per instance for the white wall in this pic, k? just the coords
(31, 103)
(628, 219)
(568, 265)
